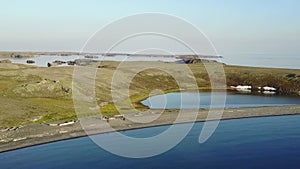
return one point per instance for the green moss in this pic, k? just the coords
(109, 110)
(17, 110)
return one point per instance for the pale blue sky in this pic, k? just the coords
(238, 28)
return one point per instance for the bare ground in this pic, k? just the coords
(34, 134)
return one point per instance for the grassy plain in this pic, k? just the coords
(30, 94)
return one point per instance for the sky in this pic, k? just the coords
(253, 29)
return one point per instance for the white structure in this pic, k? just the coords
(240, 87)
(67, 123)
(266, 88)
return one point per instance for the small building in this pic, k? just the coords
(267, 88)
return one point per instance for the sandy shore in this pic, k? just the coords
(35, 134)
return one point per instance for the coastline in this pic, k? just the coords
(46, 104)
(38, 134)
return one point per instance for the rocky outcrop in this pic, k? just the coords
(16, 55)
(71, 62)
(84, 62)
(59, 62)
(79, 62)
(5, 61)
(56, 63)
(45, 88)
(196, 61)
(65, 54)
(91, 57)
(30, 61)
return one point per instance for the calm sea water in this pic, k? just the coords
(203, 100)
(275, 61)
(44, 59)
(268, 143)
(263, 60)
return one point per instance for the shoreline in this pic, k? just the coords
(50, 100)
(75, 131)
(34, 54)
(227, 119)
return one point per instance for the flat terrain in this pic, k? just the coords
(40, 133)
(30, 94)
(31, 97)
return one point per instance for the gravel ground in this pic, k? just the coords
(35, 134)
